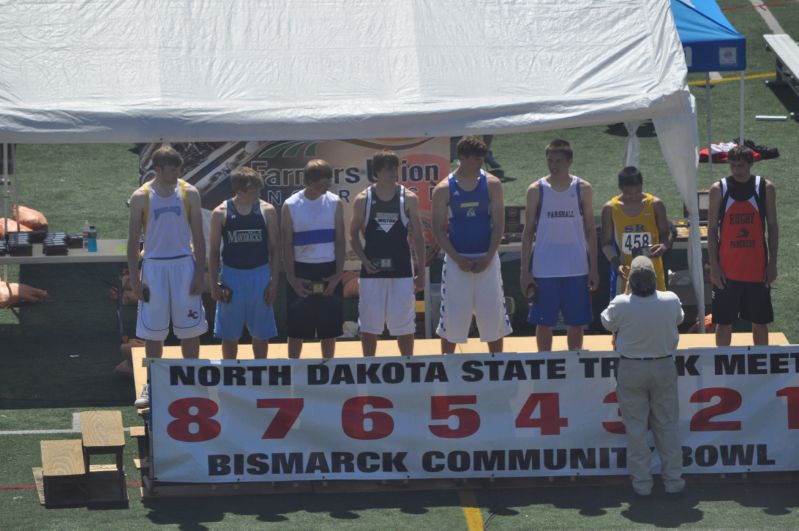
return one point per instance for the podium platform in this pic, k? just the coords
(352, 348)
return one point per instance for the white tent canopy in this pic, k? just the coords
(73, 71)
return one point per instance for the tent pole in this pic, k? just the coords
(741, 106)
(5, 201)
(708, 111)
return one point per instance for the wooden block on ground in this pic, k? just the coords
(137, 431)
(62, 458)
(65, 493)
(102, 429)
(63, 473)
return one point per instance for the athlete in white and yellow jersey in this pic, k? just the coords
(634, 223)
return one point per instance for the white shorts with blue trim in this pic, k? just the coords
(464, 294)
(169, 282)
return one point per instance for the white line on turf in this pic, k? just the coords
(771, 22)
(75, 429)
(42, 432)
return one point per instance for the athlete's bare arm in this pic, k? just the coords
(664, 231)
(340, 248)
(299, 285)
(714, 200)
(273, 234)
(528, 236)
(496, 202)
(357, 227)
(608, 238)
(197, 239)
(587, 196)
(136, 213)
(215, 244)
(772, 232)
(415, 222)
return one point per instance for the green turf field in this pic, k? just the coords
(56, 364)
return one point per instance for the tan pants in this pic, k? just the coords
(647, 393)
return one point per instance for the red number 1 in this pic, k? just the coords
(791, 395)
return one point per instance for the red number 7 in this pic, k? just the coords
(288, 409)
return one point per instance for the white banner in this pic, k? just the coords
(476, 416)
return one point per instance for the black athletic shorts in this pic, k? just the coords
(315, 316)
(749, 300)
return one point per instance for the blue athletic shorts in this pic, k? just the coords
(247, 306)
(569, 295)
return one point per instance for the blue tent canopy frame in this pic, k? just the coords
(711, 44)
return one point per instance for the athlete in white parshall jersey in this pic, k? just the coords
(563, 265)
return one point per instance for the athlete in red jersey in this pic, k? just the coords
(743, 262)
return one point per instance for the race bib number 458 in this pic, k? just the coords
(635, 240)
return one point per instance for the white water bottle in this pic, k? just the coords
(86, 234)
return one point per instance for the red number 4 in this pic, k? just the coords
(549, 420)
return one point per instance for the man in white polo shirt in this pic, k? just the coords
(644, 322)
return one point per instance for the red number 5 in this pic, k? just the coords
(468, 419)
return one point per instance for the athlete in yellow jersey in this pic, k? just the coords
(634, 223)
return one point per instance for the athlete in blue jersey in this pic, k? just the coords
(248, 228)
(468, 222)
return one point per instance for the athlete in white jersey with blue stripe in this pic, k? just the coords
(313, 255)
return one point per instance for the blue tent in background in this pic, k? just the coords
(711, 44)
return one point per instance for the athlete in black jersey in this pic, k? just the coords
(384, 214)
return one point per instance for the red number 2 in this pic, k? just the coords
(729, 401)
